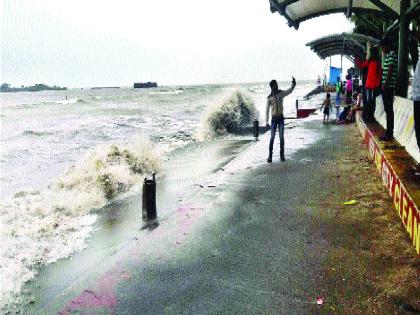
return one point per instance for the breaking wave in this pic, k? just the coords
(64, 102)
(229, 116)
(40, 227)
(167, 92)
(37, 133)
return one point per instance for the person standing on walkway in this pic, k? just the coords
(349, 89)
(326, 105)
(389, 83)
(275, 104)
(337, 98)
(373, 81)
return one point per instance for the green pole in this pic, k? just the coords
(403, 50)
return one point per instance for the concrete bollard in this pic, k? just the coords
(256, 129)
(149, 198)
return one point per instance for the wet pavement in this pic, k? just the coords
(242, 241)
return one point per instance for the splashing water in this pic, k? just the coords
(229, 116)
(40, 227)
(43, 134)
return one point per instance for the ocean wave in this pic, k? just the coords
(37, 133)
(229, 116)
(167, 92)
(40, 227)
(64, 102)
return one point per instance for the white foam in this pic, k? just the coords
(63, 102)
(38, 228)
(234, 112)
(164, 92)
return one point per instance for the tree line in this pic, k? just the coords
(5, 87)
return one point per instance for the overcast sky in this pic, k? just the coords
(105, 43)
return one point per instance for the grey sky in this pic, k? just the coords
(98, 43)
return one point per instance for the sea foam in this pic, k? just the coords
(229, 115)
(40, 227)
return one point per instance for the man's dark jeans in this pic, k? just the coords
(370, 106)
(388, 99)
(277, 122)
(417, 121)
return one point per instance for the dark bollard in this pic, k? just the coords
(256, 129)
(149, 198)
(297, 104)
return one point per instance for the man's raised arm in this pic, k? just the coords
(290, 90)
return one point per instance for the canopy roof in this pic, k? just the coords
(297, 11)
(346, 44)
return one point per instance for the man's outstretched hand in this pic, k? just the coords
(293, 81)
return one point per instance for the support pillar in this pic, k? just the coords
(403, 50)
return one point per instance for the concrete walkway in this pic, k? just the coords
(259, 242)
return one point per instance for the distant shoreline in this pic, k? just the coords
(33, 88)
(6, 88)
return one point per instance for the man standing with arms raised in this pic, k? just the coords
(275, 103)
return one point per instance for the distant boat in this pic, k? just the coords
(145, 85)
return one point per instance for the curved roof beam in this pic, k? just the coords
(334, 52)
(347, 36)
(335, 10)
(337, 51)
(354, 50)
(348, 44)
(340, 50)
(297, 11)
(337, 42)
(356, 39)
(386, 9)
(281, 8)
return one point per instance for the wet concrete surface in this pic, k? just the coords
(246, 245)
(254, 253)
(120, 225)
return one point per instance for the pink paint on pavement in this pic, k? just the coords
(185, 222)
(102, 297)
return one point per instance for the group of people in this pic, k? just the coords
(380, 80)
(377, 79)
(348, 114)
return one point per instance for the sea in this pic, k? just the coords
(66, 154)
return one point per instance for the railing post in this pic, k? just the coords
(149, 198)
(256, 129)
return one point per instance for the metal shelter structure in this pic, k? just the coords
(349, 45)
(398, 13)
(297, 11)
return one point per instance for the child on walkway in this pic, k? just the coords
(327, 107)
